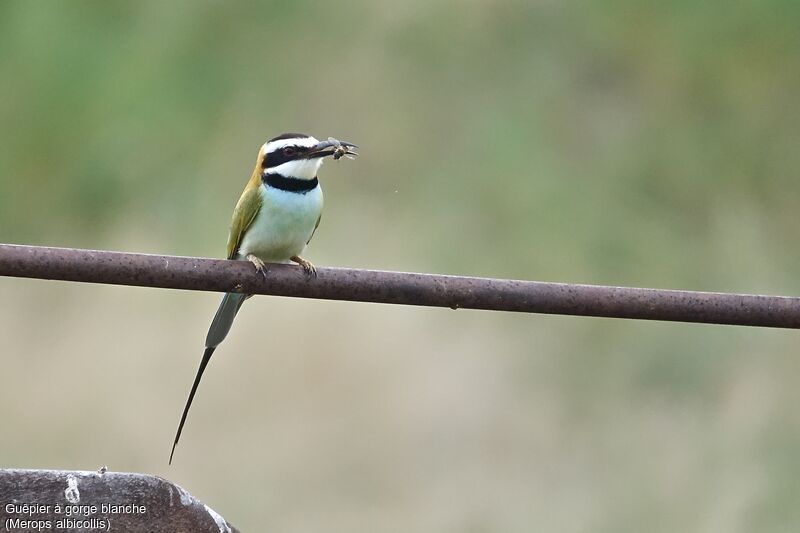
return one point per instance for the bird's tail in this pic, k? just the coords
(223, 320)
(220, 326)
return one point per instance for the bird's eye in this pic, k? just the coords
(289, 151)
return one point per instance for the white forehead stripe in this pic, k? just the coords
(271, 146)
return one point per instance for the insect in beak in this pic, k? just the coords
(333, 147)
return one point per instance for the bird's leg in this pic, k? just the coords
(309, 269)
(259, 264)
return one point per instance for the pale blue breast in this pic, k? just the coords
(283, 226)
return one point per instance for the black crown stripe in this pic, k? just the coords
(289, 136)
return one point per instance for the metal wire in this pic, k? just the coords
(456, 292)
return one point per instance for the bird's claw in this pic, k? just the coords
(261, 267)
(308, 267)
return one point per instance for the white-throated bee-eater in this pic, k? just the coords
(274, 219)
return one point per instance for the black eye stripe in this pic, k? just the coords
(278, 157)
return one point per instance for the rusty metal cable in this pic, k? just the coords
(191, 273)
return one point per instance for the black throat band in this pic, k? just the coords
(289, 184)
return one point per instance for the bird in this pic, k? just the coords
(273, 221)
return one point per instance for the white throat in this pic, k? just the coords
(304, 169)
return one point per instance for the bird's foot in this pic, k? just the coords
(261, 267)
(308, 267)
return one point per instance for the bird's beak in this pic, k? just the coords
(333, 147)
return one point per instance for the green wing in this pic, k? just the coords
(246, 210)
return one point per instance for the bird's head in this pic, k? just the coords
(296, 155)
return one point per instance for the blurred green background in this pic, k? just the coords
(633, 143)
